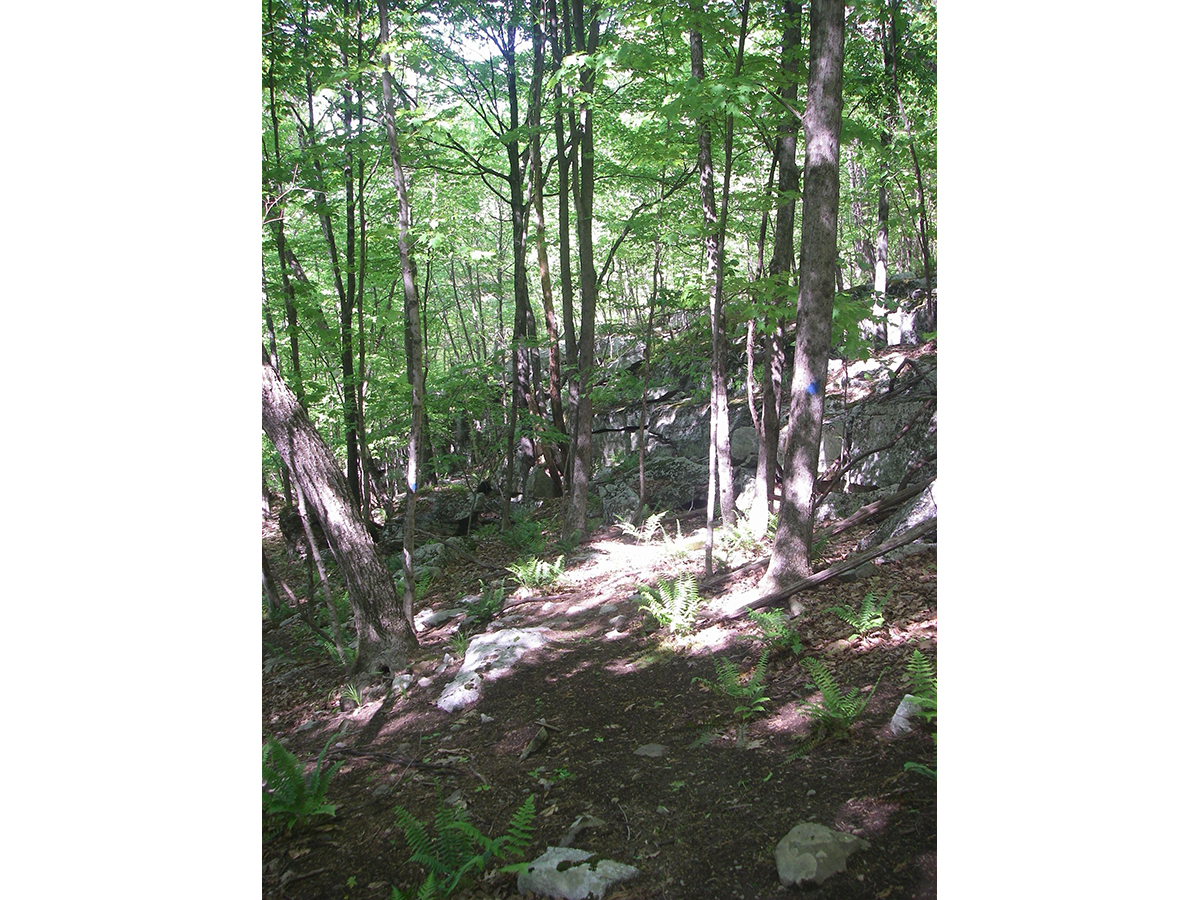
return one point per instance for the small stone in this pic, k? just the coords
(650, 750)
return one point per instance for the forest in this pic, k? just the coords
(579, 324)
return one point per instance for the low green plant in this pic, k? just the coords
(922, 679)
(673, 602)
(534, 573)
(869, 616)
(837, 710)
(569, 542)
(647, 532)
(749, 696)
(820, 545)
(739, 536)
(289, 796)
(487, 606)
(421, 588)
(457, 850)
(524, 535)
(774, 631)
(459, 643)
(331, 649)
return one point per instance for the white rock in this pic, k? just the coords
(574, 882)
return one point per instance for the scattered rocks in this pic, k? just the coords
(566, 873)
(812, 852)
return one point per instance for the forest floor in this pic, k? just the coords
(700, 821)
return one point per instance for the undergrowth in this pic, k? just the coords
(457, 851)
(291, 798)
(869, 616)
(673, 602)
(837, 710)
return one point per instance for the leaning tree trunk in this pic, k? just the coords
(791, 557)
(385, 640)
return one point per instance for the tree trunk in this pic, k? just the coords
(587, 35)
(791, 556)
(385, 639)
(780, 273)
(718, 440)
(412, 322)
(535, 166)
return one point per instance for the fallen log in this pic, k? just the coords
(864, 514)
(846, 565)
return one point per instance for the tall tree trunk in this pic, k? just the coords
(559, 33)
(779, 272)
(892, 39)
(714, 270)
(587, 36)
(412, 324)
(535, 165)
(385, 639)
(347, 296)
(791, 557)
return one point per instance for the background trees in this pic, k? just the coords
(558, 142)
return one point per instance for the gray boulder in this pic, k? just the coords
(491, 655)
(812, 852)
(743, 445)
(564, 872)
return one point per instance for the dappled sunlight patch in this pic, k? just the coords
(866, 816)
(916, 633)
(707, 640)
(787, 719)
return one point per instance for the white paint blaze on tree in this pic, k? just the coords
(791, 557)
(384, 637)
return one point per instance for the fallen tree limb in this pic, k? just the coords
(873, 509)
(846, 565)
(864, 514)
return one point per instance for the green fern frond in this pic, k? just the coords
(673, 602)
(839, 707)
(520, 829)
(921, 676)
(869, 616)
(288, 794)
(536, 573)
(458, 849)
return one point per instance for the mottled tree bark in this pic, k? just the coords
(791, 557)
(412, 325)
(587, 35)
(385, 639)
(780, 273)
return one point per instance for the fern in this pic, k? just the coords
(749, 696)
(288, 794)
(458, 850)
(525, 535)
(837, 710)
(773, 630)
(674, 602)
(923, 680)
(869, 616)
(488, 605)
(536, 573)
(647, 532)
